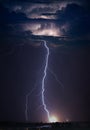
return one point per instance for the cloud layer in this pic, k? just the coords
(25, 20)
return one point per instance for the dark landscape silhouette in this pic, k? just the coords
(44, 126)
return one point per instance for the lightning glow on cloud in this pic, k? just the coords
(43, 29)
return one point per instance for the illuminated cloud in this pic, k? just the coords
(43, 29)
(35, 16)
(36, 10)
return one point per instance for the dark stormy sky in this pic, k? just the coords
(65, 26)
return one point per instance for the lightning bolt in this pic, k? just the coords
(27, 96)
(43, 81)
(43, 85)
(56, 78)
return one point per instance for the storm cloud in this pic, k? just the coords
(48, 19)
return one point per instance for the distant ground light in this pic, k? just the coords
(53, 119)
(67, 120)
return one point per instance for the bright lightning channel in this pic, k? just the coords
(43, 81)
(50, 118)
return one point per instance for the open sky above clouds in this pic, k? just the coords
(57, 20)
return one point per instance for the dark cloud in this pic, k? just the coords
(41, 1)
(77, 17)
(8, 17)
